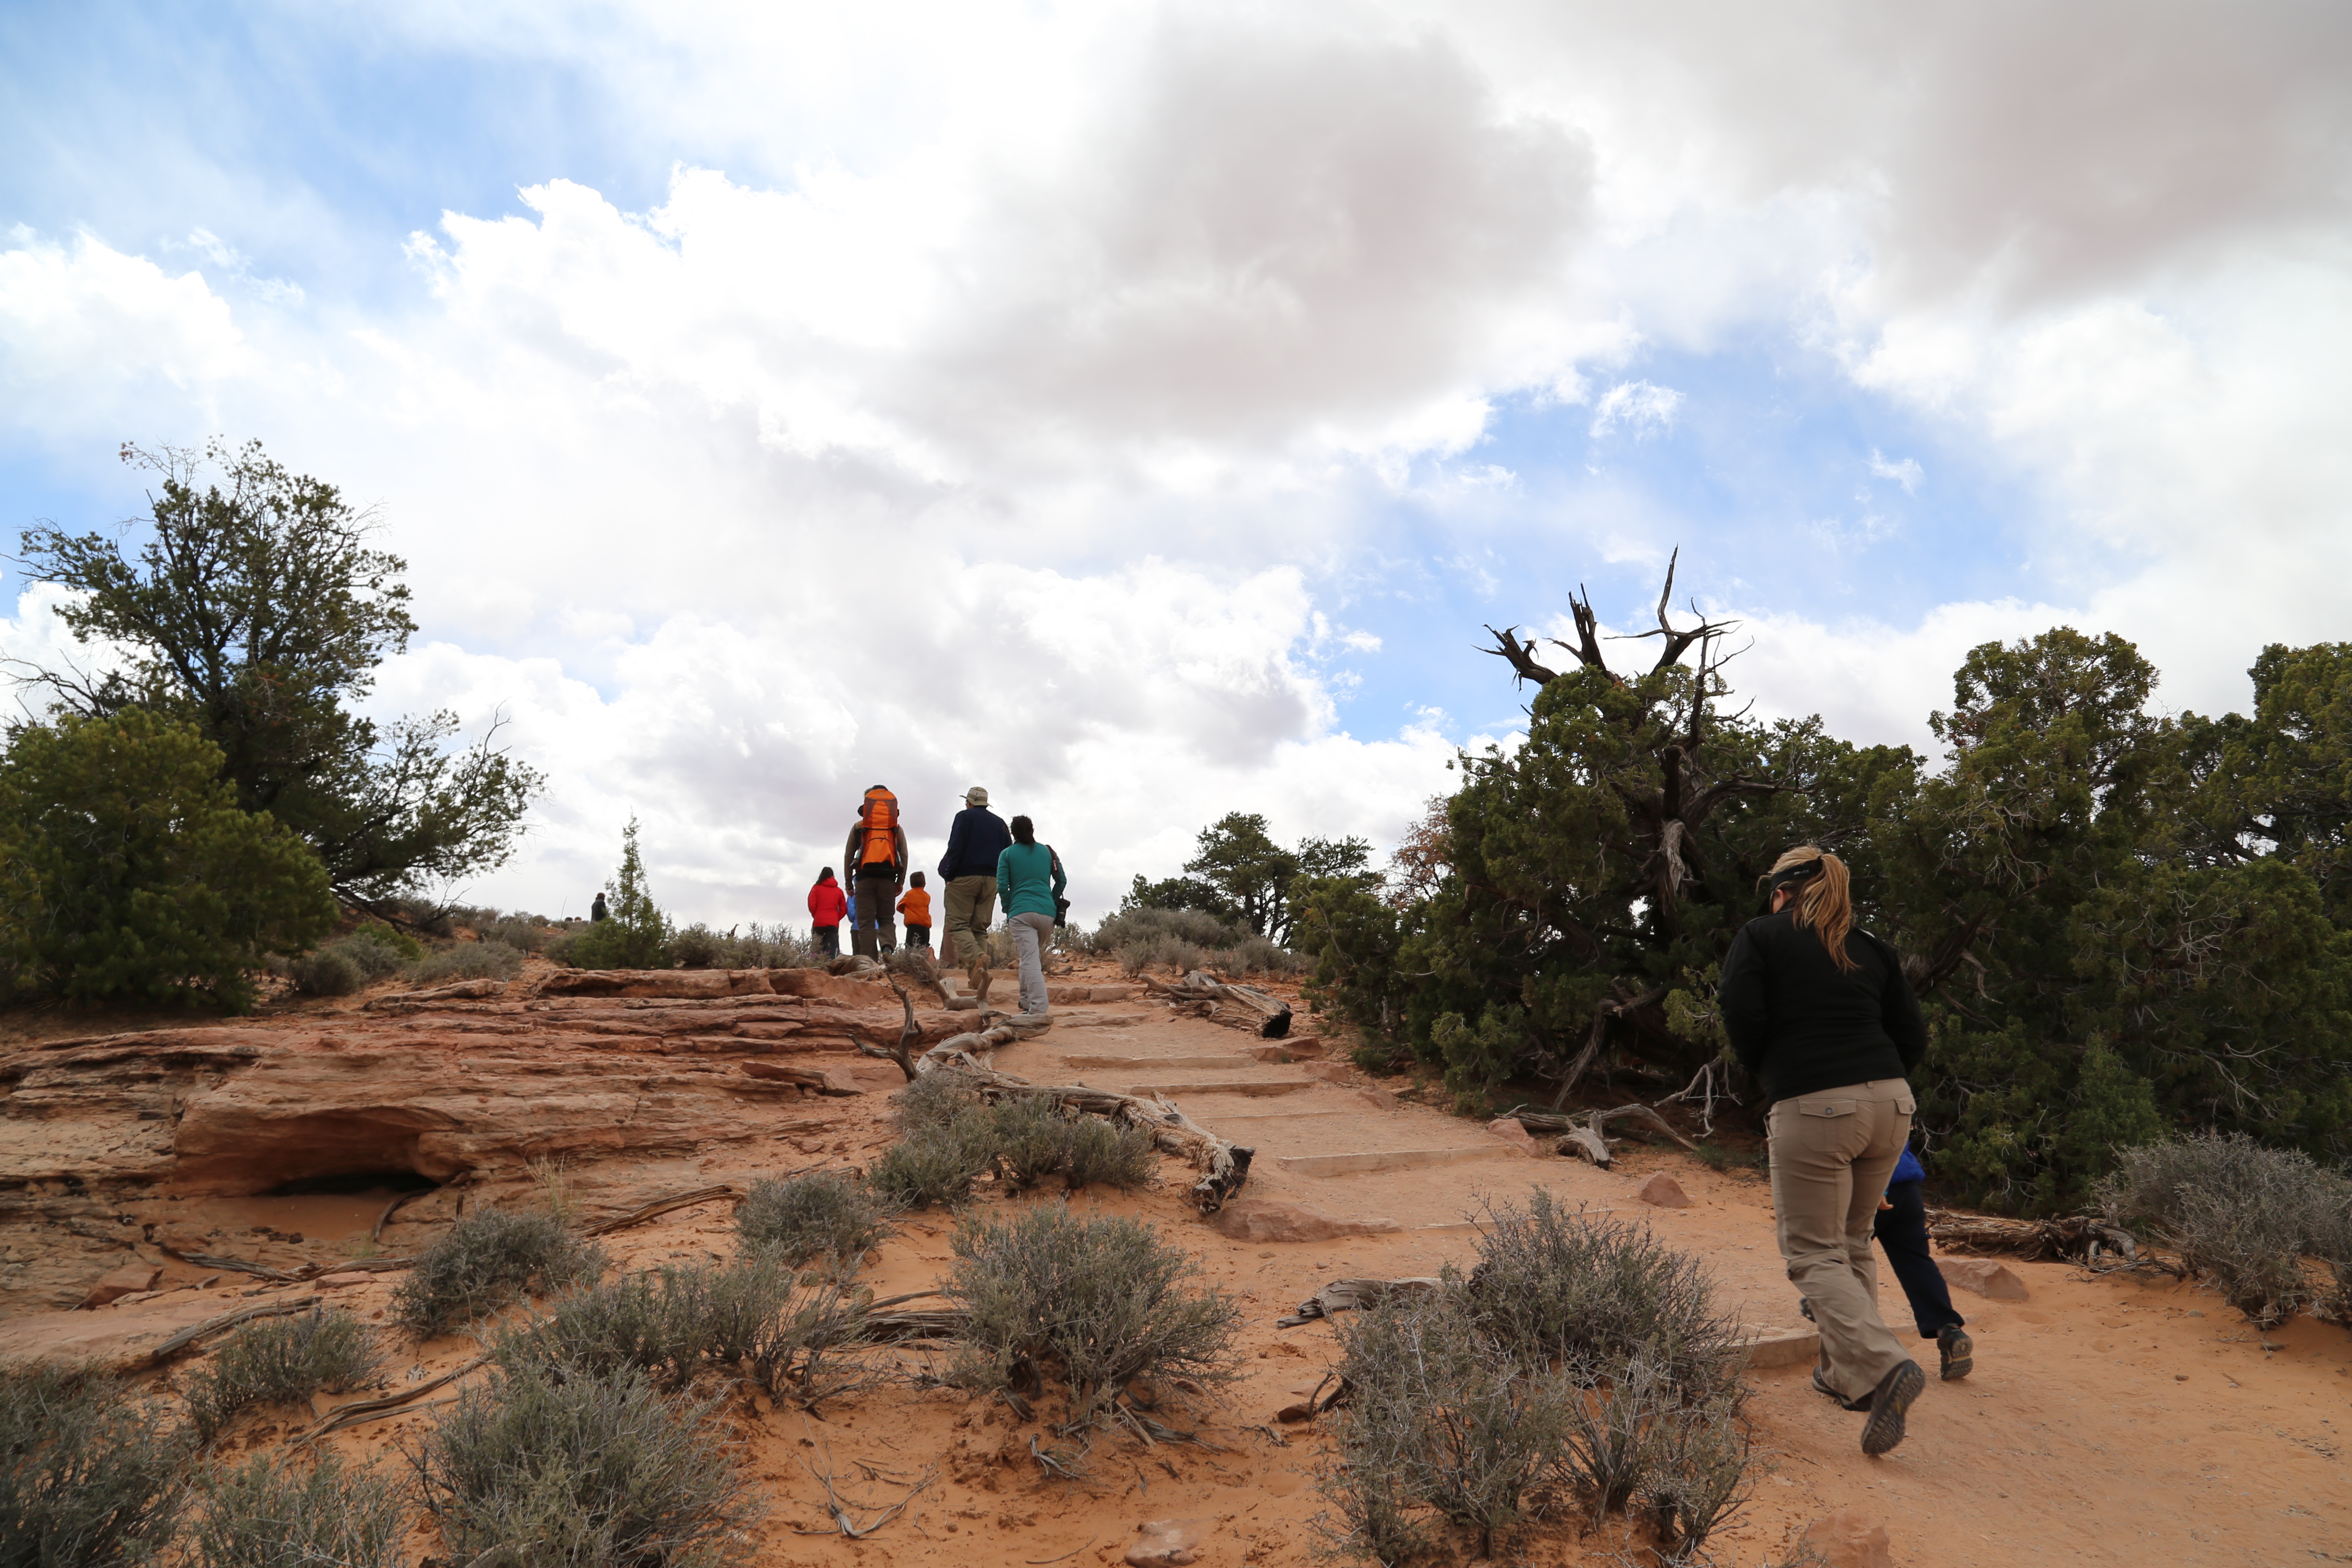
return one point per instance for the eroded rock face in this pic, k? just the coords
(461, 1088)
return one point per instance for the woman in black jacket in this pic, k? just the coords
(1820, 1011)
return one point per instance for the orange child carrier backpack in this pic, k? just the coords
(880, 818)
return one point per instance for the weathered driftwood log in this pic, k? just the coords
(1347, 1295)
(2077, 1238)
(1225, 1165)
(1272, 1013)
(1586, 1136)
(661, 1207)
(215, 1325)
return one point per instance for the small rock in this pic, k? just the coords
(1326, 1072)
(1985, 1276)
(1165, 1544)
(1664, 1191)
(1508, 1128)
(1377, 1098)
(1274, 1219)
(116, 1283)
(1850, 1539)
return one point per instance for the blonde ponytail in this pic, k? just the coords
(1824, 901)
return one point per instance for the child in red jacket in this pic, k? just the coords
(828, 905)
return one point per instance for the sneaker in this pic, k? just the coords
(1889, 1402)
(1957, 1351)
(1822, 1383)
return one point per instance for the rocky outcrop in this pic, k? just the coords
(455, 1087)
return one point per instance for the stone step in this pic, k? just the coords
(1168, 1064)
(1390, 1159)
(1225, 1086)
(1005, 984)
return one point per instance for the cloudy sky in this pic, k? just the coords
(1140, 409)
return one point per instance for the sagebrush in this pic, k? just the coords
(283, 1361)
(90, 1475)
(1093, 1302)
(821, 1215)
(275, 1512)
(485, 960)
(2243, 1216)
(486, 1260)
(537, 1470)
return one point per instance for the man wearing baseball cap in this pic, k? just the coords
(969, 869)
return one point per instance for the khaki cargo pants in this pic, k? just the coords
(970, 909)
(1832, 1153)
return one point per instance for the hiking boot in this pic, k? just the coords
(1824, 1384)
(1889, 1402)
(1957, 1351)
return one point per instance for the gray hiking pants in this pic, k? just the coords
(1032, 935)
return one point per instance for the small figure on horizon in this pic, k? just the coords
(827, 904)
(975, 840)
(915, 909)
(596, 910)
(875, 861)
(1818, 1010)
(1031, 875)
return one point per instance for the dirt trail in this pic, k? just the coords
(2110, 1419)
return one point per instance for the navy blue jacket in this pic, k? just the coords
(975, 841)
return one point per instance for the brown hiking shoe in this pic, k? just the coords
(1889, 1402)
(1958, 1352)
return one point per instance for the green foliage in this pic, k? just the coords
(127, 872)
(486, 1260)
(1251, 875)
(821, 1215)
(257, 614)
(1095, 1300)
(697, 947)
(345, 964)
(281, 1361)
(634, 933)
(273, 1513)
(89, 1476)
(540, 1469)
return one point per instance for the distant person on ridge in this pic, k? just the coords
(969, 869)
(596, 910)
(1031, 875)
(1818, 1009)
(827, 904)
(915, 909)
(877, 855)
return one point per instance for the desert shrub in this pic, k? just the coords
(1254, 954)
(935, 1099)
(673, 1324)
(1122, 1157)
(527, 934)
(937, 1165)
(329, 972)
(817, 1216)
(1098, 1300)
(281, 1361)
(274, 1513)
(541, 1470)
(466, 960)
(1032, 1138)
(698, 946)
(636, 934)
(89, 1476)
(484, 1261)
(2241, 1214)
(1595, 1292)
(1194, 926)
(1440, 1424)
(1173, 951)
(559, 947)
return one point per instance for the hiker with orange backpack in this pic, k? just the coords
(875, 858)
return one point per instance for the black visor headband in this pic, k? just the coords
(1805, 872)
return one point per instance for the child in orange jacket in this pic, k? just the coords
(914, 911)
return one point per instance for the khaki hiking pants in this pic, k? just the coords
(1832, 1153)
(970, 909)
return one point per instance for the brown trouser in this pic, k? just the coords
(1832, 1153)
(971, 908)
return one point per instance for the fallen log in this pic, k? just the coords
(463, 991)
(661, 1207)
(1350, 1295)
(1223, 1163)
(215, 1325)
(1586, 1137)
(367, 1409)
(1273, 1013)
(2077, 1238)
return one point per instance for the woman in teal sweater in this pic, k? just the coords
(1029, 880)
